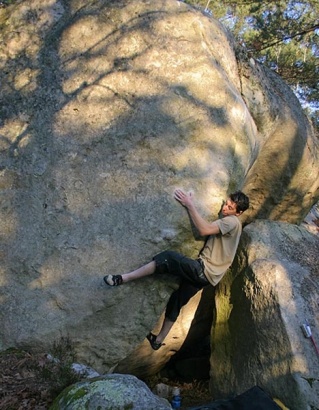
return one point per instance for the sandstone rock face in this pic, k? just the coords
(110, 392)
(277, 192)
(192, 328)
(258, 338)
(106, 108)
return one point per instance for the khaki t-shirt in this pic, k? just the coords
(219, 250)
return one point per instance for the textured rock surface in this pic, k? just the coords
(282, 181)
(257, 338)
(189, 333)
(106, 107)
(110, 392)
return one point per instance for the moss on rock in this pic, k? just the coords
(109, 392)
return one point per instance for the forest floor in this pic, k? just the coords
(31, 382)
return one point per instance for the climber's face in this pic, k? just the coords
(230, 208)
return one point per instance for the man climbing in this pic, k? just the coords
(214, 259)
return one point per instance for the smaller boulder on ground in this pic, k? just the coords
(110, 392)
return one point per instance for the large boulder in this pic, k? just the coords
(280, 191)
(272, 291)
(106, 107)
(110, 392)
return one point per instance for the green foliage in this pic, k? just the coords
(4, 3)
(282, 34)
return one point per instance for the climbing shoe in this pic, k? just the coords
(152, 339)
(113, 280)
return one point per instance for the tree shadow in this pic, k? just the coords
(64, 171)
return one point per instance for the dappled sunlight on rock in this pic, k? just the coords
(3, 282)
(13, 131)
(9, 220)
(29, 42)
(85, 36)
(107, 107)
(26, 80)
(86, 119)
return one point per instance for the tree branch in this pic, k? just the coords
(290, 37)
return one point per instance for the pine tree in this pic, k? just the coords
(283, 35)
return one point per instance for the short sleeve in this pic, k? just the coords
(227, 224)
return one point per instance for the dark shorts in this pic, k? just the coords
(191, 273)
(190, 270)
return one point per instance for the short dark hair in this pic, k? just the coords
(241, 200)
